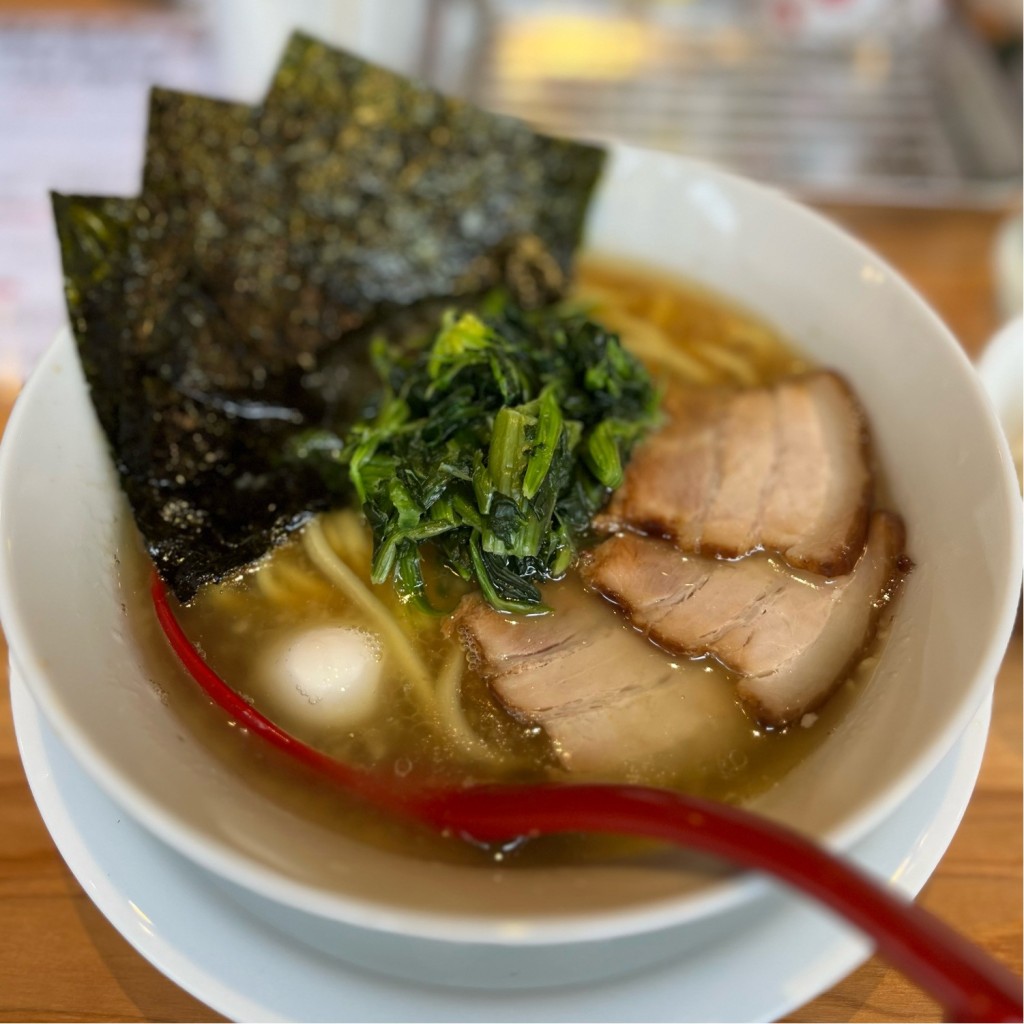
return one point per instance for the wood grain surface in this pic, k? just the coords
(61, 961)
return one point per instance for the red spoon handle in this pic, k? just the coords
(966, 981)
(969, 984)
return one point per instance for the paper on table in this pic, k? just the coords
(73, 93)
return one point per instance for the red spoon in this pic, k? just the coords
(968, 984)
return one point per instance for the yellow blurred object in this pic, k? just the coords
(872, 61)
(574, 46)
(731, 45)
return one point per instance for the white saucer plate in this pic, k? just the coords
(181, 920)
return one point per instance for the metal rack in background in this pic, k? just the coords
(911, 114)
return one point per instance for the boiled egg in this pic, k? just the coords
(327, 676)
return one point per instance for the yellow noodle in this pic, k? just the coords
(735, 366)
(681, 316)
(352, 539)
(270, 585)
(758, 340)
(229, 597)
(326, 559)
(450, 714)
(648, 334)
(302, 582)
(647, 343)
(662, 310)
(329, 522)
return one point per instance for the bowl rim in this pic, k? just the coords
(719, 896)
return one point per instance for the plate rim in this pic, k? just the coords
(908, 872)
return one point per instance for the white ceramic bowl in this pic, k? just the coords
(950, 476)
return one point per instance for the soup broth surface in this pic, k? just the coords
(453, 728)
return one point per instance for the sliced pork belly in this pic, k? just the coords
(783, 468)
(607, 698)
(792, 636)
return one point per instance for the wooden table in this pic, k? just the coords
(61, 960)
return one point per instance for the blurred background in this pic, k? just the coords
(891, 103)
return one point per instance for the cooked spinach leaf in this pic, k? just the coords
(496, 443)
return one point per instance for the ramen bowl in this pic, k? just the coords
(63, 600)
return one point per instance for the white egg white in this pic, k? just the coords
(327, 676)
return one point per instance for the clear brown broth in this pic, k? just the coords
(235, 622)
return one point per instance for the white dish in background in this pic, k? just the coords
(1001, 368)
(948, 474)
(179, 917)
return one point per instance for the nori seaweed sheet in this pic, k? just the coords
(229, 305)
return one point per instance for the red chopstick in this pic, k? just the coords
(969, 984)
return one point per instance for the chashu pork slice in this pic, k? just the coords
(783, 468)
(791, 636)
(608, 699)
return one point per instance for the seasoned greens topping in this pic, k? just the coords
(229, 306)
(496, 443)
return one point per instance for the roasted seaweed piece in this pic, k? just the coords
(211, 180)
(192, 431)
(229, 306)
(477, 198)
(197, 159)
(191, 142)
